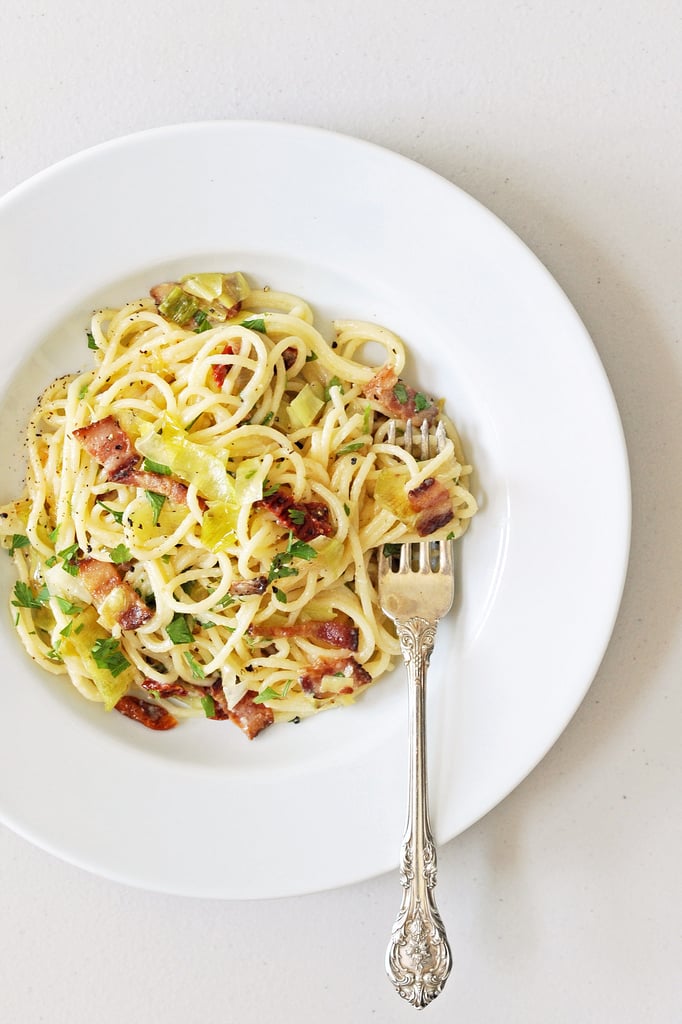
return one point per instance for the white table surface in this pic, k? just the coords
(564, 904)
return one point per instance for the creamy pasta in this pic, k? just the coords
(202, 505)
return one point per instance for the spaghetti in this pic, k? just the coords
(201, 507)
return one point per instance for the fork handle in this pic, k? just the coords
(418, 959)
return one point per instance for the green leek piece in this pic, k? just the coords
(304, 408)
(192, 462)
(99, 656)
(204, 286)
(179, 306)
(390, 491)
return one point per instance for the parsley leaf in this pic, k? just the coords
(346, 508)
(270, 693)
(83, 391)
(255, 323)
(296, 515)
(355, 446)
(156, 467)
(18, 541)
(280, 595)
(67, 606)
(450, 536)
(156, 501)
(118, 516)
(208, 704)
(91, 340)
(269, 489)
(119, 554)
(421, 402)
(178, 630)
(268, 419)
(108, 655)
(400, 392)
(67, 557)
(202, 322)
(197, 670)
(55, 533)
(25, 598)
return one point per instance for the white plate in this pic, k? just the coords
(359, 232)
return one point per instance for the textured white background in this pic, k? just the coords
(564, 904)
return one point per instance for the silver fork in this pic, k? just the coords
(416, 596)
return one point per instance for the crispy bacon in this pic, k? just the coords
(250, 717)
(311, 679)
(220, 712)
(316, 520)
(176, 689)
(161, 291)
(101, 578)
(433, 505)
(151, 715)
(109, 444)
(398, 398)
(334, 632)
(245, 588)
(157, 482)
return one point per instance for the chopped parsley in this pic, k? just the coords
(270, 693)
(83, 391)
(67, 606)
(280, 595)
(208, 704)
(18, 541)
(255, 323)
(107, 654)
(365, 418)
(119, 554)
(450, 536)
(156, 501)
(179, 630)
(346, 508)
(311, 357)
(52, 560)
(400, 392)
(197, 670)
(156, 467)
(269, 489)
(268, 419)
(202, 322)
(281, 563)
(118, 516)
(421, 402)
(91, 340)
(296, 515)
(354, 446)
(54, 534)
(67, 557)
(25, 598)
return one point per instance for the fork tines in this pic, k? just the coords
(425, 436)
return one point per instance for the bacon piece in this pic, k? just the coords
(382, 388)
(245, 588)
(109, 444)
(151, 715)
(157, 482)
(334, 632)
(433, 505)
(161, 291)
(176, 689)
(315, 522)
(311, 679)
(250, 717)
(220, 712)
(101, 578)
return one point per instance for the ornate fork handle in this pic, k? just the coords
(418, 959)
